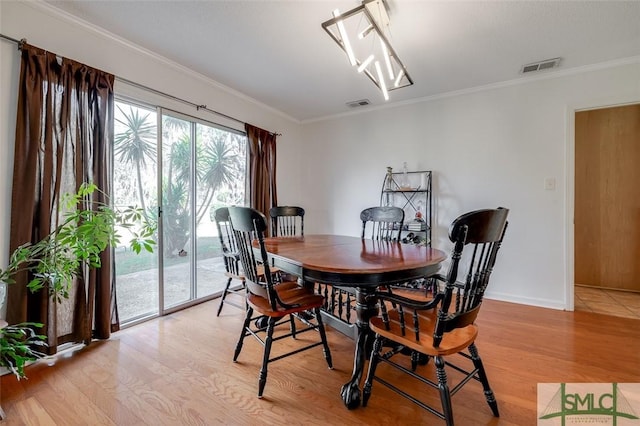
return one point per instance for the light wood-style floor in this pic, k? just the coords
(606, 301)
(177, 370)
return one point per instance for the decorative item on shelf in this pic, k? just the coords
(416, 225)
(424, 179)
(388, 187)
(389, 179)
(412, 238)
(405, 185)
(419, 215)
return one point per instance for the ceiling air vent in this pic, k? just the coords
(357, 104)
(541, 65)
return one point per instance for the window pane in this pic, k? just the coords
(221, 170)
(176, 210)
(135, 183)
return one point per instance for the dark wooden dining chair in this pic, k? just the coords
(287, 221)
(443, 327)
(275, 302)
(378, 223)
(231, 257)
(233, 268)
(383, 223)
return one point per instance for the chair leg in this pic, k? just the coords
(246, 299)
(488, 393)
(373, 363)
(417, 359)
(224, 295)
(262, 381)
(323, 337)
(292, 326)
(261, 322)
(243, 334)
(445, 394)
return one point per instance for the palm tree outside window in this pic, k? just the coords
(203, 168)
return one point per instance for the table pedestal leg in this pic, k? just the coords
(364, 311)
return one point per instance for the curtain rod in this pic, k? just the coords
(158, 92)
(16, 41)
(184, 101)
(175, 98)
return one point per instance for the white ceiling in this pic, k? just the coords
(277, 52)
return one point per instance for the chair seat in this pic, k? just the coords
(413, 293)
(452, 342)
(240, 277)
(234, 276)
(290, 293)
(287, 285)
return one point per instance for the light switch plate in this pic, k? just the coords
(550, 184)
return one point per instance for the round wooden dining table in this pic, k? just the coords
(345, 261)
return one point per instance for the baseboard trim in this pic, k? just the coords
(532, 301)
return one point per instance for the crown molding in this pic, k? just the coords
(61, 14)
(545, 75)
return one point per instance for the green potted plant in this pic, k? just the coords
(18, 346)
(55, 260)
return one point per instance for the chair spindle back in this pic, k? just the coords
(287, 221)
(483, 231)
(385, 223)
(249, 226)
(228, 242)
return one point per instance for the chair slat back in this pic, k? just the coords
(482, 231)
(287, 221)
(383, 223)
(228, 242)
(249, 226)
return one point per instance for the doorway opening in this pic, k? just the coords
(607, 211)
(618, 303)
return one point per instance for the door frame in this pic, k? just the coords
(570, 155)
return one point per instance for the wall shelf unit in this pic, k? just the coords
(412, 192)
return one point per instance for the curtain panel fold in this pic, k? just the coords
(64, 133)
(262, 169)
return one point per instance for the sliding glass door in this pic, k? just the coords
(220, 169)
(200, 167)
(203, 169)
(135, 180)
(176, 211)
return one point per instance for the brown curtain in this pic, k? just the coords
(262, 165)
(64, 131)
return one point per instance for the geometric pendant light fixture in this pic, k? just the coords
(364, 35)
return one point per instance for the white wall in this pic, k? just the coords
(488, 148)
(52, 30)
(8, 99)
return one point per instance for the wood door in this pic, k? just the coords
(607, 198)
